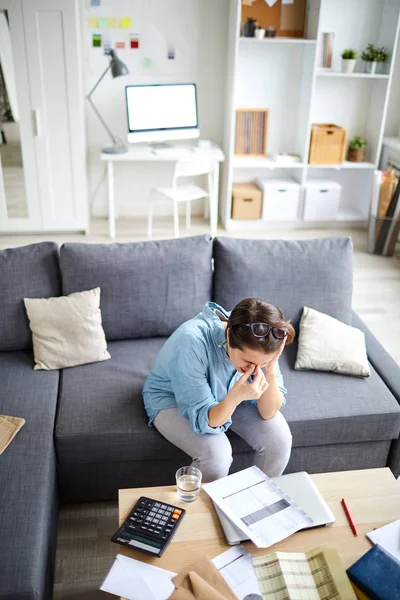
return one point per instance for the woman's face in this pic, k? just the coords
(244, 359)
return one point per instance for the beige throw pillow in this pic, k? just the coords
(326, 344)
(67, 331)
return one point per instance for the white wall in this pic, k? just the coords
(198, 31)
(392, 127)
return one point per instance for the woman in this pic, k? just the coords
(220, 370)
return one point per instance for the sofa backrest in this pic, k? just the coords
(290, 274)
(148, 289)
(26, 272)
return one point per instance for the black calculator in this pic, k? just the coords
(150, 526)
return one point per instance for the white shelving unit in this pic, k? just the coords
(285, 76)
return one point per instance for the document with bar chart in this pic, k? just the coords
(258, 506)
(315, 575)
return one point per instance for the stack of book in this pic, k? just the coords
(376, 575)
(251, 132)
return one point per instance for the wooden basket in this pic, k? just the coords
(251, 132)
(328, 144)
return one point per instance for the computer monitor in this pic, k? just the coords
(158, 113)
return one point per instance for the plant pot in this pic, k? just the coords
(356, 155)
(348, 65)
(270, 32)
(370, 67)
(248, 29)
(260, 34)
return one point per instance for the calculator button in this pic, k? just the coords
(177, 512)
(175, 516)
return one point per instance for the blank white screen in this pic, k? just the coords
(161, 107)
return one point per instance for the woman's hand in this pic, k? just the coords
(270, 368)
(250, 391)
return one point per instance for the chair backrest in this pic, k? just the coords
(187, 168)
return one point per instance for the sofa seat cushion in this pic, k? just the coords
(328, 408)
(148, 289)
(27, 477)
(101, 416)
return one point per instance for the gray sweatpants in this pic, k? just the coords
(212, 453)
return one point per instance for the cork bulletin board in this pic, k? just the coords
(287, 19)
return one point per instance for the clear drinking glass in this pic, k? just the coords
(188, 483)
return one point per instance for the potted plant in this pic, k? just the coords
(373, 55)
(270, 31)
(259, 32)
(349, 57)
(357, 147)
(249, 27)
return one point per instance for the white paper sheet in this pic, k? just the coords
(388, 537)
(258, 506)
(236, 567)
(137, 580)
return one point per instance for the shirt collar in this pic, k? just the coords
(219, 331)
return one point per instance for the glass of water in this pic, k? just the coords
(188, 483)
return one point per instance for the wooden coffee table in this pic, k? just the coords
(372, 495)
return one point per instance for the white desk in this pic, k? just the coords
(181, 152)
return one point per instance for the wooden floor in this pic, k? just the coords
(84, 552)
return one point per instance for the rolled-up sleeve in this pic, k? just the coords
(188, 374)
(281, 385)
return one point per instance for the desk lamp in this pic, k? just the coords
(117, 68)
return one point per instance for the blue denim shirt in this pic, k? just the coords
(193, 372)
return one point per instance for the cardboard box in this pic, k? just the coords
(246, 201)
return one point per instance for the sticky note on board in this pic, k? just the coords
(106, 43)
(120, 45)
(125, 23)
(94, 2)
(96, 40)
(112, 22)
(147, 62)
(134, 41)
(93, 23)
(103, 22)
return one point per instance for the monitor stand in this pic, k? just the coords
(159, 145)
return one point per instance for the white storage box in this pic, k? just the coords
(321, 200)
(280, 199)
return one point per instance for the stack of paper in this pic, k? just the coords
(258, 506)
(236, 567)
(137, 580)
(388, 537)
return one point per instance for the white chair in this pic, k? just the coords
(186, 192)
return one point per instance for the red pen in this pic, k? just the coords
(350, 520)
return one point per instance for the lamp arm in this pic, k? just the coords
(89, 98)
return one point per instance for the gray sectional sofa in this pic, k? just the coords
(86, 432)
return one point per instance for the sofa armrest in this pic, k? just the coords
(389, 371)
(383, 363)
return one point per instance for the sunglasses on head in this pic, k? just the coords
(261, 330)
